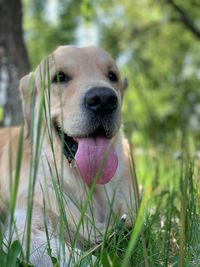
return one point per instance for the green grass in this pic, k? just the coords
(166, 231)
(167, 228)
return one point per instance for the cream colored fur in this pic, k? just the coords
(88, 67)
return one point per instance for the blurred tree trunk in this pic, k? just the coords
(14, 61)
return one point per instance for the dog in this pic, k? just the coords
(75, 160)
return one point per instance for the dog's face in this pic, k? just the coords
(90, 87)
(85, 99)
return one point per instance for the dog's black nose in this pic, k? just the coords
(101, 100)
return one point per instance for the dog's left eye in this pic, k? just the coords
(60, 77)
(112, 76)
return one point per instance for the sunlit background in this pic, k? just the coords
(155, 48)
(156, 45)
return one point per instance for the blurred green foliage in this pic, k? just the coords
(1, 114)
(155, 46)
(46, 29)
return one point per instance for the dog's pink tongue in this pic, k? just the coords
(96, 160)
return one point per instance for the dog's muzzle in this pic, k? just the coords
(103, 111)
(94, 147)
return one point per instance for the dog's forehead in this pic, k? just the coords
(72, 56)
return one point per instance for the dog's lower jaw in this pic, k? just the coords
(68, 144)
(94, 155)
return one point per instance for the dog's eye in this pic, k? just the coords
(60, 77)
(112, 76)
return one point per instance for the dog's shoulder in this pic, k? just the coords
(9, 142)
(8, 135)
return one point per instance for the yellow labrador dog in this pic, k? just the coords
(75, 170)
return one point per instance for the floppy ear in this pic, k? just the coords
(124, 84)
(28, 92)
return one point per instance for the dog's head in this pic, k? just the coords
(84, 92)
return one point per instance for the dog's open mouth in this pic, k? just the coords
(95, 155)
(70, 146)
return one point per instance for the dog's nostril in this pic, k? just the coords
(112, 101)
(101, 100)
(93, 101)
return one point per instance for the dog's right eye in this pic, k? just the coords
(61, 77)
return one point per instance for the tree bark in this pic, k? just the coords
(14, 61)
